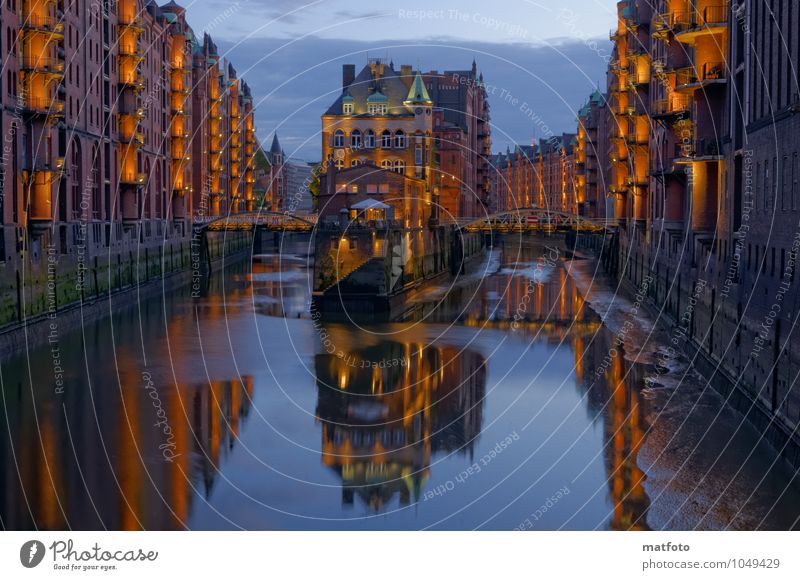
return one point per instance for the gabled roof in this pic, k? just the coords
(390, 86)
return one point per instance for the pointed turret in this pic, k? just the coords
(275, 152)
(276, 146)
(418, 94)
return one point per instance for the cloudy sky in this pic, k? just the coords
(540, 59)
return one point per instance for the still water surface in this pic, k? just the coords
(525, 395)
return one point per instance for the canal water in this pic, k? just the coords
(525, 394)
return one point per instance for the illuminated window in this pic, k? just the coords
(354, 188)
(338, 138)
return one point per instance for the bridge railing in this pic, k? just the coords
(534, 219)
(256, 219)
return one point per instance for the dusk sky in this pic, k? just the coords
(540, 60)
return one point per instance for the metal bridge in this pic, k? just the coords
(534, 219)
(270, 220)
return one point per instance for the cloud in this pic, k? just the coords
(533, 88)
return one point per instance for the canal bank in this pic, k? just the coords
(54, 290)
(728, 347)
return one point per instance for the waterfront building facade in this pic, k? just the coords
(433, 127)
(119, 127)
(543, 175)
(714, 242)
(462, 138)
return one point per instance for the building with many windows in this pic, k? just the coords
(120, 126)
(431, 126)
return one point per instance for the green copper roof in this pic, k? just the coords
(418, 94)
(377, 97)
(348, 98)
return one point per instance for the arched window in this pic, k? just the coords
(400, 167)
(369, 139)
(339, 163)
(338, 138)
(386, 139)
(386, 164)
(355, 139)
(400, 140)
(354, 163)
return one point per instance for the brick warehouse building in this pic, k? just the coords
(543, 175)
(694, 151)
(712, 226)
(119, 126)
(428, 126)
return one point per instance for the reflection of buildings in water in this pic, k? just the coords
(279, 285)
(527, 297)
(616, 397)
(99, 461)
(381, 426)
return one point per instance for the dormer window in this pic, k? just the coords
(348, 108)
(377, 104)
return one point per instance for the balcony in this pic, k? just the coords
(675, 106)
(708, 20)
(47, 66)
(130, 23)
(179, 151)
(133, 81)
(131, 51)
(637, 181)
(35, 23)
(633, 140)
(711, 73)
(708, 149)
(638, 79)
(180, 133)
(48, 106)
(132, 178)
(135, 137)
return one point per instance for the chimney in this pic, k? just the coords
(406, 74)
(348, 75)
